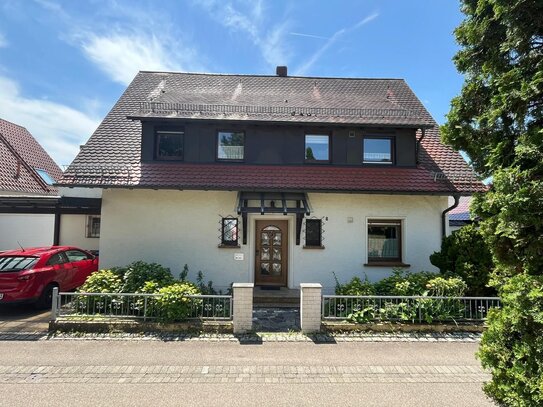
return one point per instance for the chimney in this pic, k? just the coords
(281, 71)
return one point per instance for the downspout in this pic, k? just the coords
(444, 215)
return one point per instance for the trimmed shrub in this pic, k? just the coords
(512, 346)
(465, 254)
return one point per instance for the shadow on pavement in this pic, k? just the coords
(23, 318)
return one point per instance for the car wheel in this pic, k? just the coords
(46, 297)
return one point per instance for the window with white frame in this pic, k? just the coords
(384, 241)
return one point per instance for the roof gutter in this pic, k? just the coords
(444, 215)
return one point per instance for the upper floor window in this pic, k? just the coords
(169, 145)
(377, 150)
(230, 145)
(317, 148)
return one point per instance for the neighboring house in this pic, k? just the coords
(460, 216)
(32, 213)
(275, 180)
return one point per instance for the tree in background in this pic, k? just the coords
(498, 121)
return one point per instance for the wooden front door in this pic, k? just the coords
(271, 252)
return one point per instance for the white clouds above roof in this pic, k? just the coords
(58, 128)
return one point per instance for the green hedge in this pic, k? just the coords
(512, 346)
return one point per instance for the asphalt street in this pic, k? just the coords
(131, 373)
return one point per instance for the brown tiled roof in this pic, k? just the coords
(111, 157)
(20, 156)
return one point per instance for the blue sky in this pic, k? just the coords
(63, 64)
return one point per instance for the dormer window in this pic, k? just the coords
(230, 145)
(317, 148)
(169, 145)
(377, 150)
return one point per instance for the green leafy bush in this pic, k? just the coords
(137, 274)
(512, 346)
(446, 287)
(403, 282)
(466, 254)
(173, 305)
(354, 287)
(102, 281)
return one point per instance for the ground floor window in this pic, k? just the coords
(229, 231)
(313, 233)
(93, 226)
(384, 241)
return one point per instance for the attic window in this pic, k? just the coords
(377, 150)
(44, 175)
(169, 145)
(317, 148)
(230, 145)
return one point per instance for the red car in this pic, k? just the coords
(30, 275)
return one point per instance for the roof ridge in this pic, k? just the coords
(271, 76)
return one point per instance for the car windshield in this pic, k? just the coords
(16, 263)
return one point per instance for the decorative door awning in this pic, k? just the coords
(273, 202)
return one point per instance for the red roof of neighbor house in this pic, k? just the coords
(111, 157)
(20, 156)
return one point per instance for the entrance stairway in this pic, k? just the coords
(276, 298)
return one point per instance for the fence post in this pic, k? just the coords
(243, 307)
(310, 307)
(55, 303)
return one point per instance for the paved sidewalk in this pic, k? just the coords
(132, 373)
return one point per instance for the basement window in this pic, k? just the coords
(93, 226)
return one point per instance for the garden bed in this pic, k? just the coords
(344, 326)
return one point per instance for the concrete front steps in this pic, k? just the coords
(281, 298)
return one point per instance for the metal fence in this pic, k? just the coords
(140, 306)
(407, 308)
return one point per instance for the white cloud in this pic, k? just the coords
(127, 38)
(270, 41)
(3, 41)
(121, 56)
(58, 128)
(307, 65)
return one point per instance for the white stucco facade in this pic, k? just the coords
(73, 232)
(30, 230)
(177, 227)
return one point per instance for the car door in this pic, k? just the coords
(82, 266)
(60, 270)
